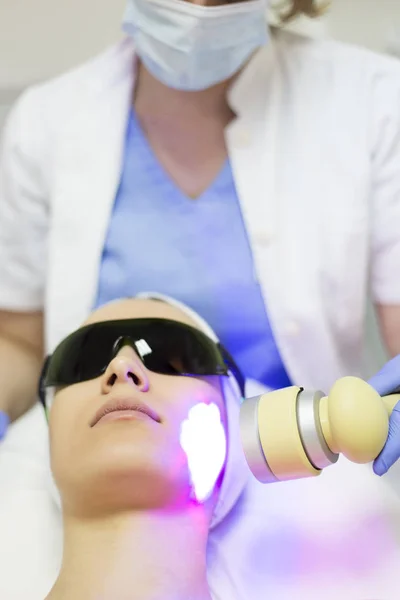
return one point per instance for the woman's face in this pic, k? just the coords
(132, 458)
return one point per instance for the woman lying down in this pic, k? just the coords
(142, 402)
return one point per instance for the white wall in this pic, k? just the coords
(365, 22)
(4, 107)
(40, 38)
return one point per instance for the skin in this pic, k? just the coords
(130, 528)
(389, 322)
(21, 351)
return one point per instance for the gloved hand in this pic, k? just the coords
(4, 423)
(386, 382)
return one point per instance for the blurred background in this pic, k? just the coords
(41, 38)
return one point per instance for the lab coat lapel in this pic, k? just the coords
(251, 141)
(253, 145)
(88, 168)
(273, 203)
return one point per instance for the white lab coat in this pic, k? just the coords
(315, 152)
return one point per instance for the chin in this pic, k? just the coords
(133, 482)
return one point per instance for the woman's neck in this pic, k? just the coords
(153, 99)
(141, 556)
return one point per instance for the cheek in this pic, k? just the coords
(203, 439)
(195, 415)
(187, 392)
(66, 419)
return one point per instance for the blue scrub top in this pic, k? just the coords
(196, 251)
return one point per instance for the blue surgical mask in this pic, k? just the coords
(191, 47)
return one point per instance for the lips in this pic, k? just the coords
(128, 406)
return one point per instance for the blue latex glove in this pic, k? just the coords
(4, 423)
(386, 382)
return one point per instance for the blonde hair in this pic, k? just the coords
(292, 8)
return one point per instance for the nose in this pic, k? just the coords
(125, 368)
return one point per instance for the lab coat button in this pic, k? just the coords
(264, 238)
(243, 138)
(292, 328)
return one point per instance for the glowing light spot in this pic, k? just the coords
(203, 440)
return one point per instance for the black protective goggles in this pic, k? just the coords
(164, 346)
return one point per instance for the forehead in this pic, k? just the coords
(139, 308)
